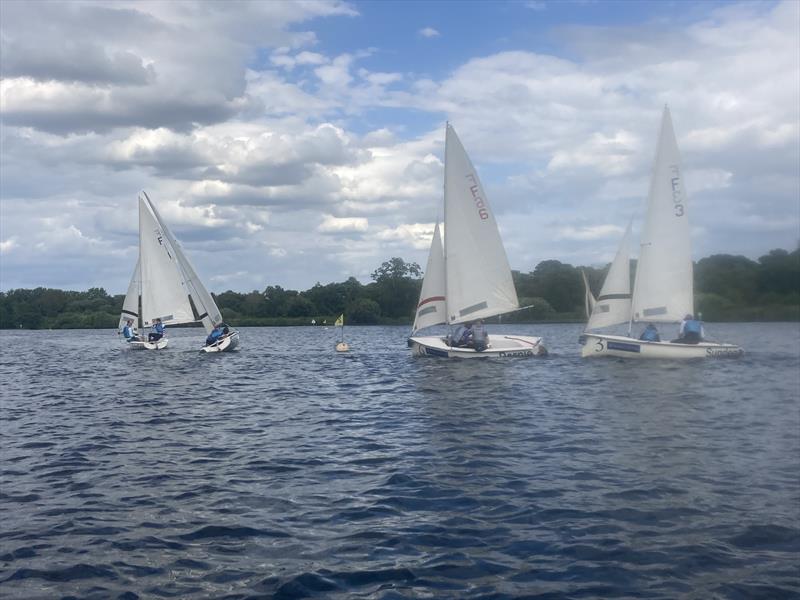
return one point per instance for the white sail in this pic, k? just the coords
(164, 296)
(589, 300)
(208, 312)
(613, 305)
(432, 308)
(663, 290)
(478, 277)
(130, 306)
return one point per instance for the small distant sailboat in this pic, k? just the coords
(165, 286)
(663, 289)
(468, 278)
(341, 346)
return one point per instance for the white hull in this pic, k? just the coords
(594, 344)
(500, 346)
(225, 344)
(156, 345)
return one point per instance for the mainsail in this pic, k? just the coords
(663, 289)
(432, 307)
(613, 305)
(477, 273)
(209, 313)
(164, 295)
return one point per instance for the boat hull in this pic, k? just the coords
(225, 344)
(500, 346)
(143, 345)
(596, 345)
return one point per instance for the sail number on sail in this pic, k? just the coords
(676, 190)
(479, 202)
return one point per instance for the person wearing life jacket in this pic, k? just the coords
(480, 339)
(461, 336)
(158, 331)
(129, 332)
(691, 331)
(650, 334)
(215, 335)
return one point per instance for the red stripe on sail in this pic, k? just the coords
(431, 299)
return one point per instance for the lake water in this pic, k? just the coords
(285, 470)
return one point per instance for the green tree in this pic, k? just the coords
(395, 289)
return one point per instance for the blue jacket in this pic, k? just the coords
(692, 326)
(159, 328)
(215, 334)
(127, 331)
(650, 334)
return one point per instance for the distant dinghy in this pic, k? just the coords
(663, 290)
(468, 278)
(165, 286)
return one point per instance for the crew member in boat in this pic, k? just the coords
(158, 331)
(480, 339)
(129, 332)
(691, 331)
(650, 334)
(462, 336)
(215, 334)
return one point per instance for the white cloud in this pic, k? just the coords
(429, 32)
(331, 224)
(260, 146)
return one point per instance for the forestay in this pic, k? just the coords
(663, 289)
(478, 276)
(613, 305)
(432, 307)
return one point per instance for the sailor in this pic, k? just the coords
(650, 334)
(129, 332)
(158, 331)
(215, 335)
(691, 331)
(461, 336)
(480, 339)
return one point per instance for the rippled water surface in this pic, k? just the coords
(285, 470)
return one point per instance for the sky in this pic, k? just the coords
(290, 143)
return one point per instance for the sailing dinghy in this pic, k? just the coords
(468, 278)
(663, 290)
(165, 286)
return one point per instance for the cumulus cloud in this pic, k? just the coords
(263, 144)
(331, 224)
(429, 32)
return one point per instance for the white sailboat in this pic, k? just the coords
(663, 289)
(165, 286)
(468, 279)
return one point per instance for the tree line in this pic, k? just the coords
(727, 288)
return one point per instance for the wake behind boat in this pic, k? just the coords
(663, 290)
(165, 288)
(468, 279)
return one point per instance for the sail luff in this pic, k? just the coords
(663, 290)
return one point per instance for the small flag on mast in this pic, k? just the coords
(340, 321)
